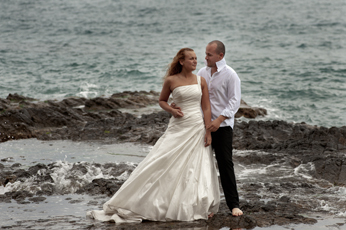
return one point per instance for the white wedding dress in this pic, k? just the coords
(177, 181)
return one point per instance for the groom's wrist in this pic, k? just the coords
(222, 118)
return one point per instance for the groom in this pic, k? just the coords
(225, 96)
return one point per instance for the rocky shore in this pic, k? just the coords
(82, 119)
(103, 119)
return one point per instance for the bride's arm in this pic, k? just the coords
(206, 110)
(165, 92)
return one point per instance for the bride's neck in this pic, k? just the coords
(186, 73)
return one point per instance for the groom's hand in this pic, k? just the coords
(215, 124)
(176, 111)
(174, 106)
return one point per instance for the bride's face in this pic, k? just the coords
(190, 62)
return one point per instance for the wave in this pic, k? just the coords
(62, 177)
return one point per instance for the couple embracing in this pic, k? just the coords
(177, 181)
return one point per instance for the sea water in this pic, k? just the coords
(290, 55)
(73, 165)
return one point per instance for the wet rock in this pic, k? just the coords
(46, 189)
(101, 186)
(223, 220)
(256, 158)
(331, 168)
(79, 169)
(93, 202)
(116, 170)
(321, 145)
(81, 119)
(256, 213)
(16, 165)
(5, 198)
(19, 195)
(7, 159)
(34, 169)
(37, 199)
(250, 112)
(17, 98)
(126, 99)
(21, 173)
(75, 201)
(284, 199)
(5, 179)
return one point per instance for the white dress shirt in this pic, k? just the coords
(224, 91)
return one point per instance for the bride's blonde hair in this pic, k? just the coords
(175, 67)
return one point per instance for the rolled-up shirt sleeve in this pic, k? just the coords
(234, 95)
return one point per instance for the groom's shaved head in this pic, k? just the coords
(220, 47)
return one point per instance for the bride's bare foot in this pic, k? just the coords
(237, 212)
(210, 215)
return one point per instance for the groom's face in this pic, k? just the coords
(211, 56)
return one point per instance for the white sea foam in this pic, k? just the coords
(88, 90)
(305, 170)
(325, 206)
(341, 214)
(249, 152)
(249, 172)
(123, 176)
(14, 186)
(342, 191)
(68, 177)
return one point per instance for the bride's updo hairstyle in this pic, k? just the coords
(175, 67)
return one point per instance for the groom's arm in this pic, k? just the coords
(234, 95)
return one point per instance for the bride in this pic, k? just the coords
(177, 181)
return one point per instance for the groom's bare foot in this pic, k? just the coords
(210, 215)
(236, 212)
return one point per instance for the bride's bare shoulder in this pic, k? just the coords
(172, 78)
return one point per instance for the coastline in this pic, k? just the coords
(105, 121)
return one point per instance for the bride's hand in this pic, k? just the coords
(177, 113)
(207, 139)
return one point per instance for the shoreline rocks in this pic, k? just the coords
(102, 119)
(82, 119)
(257, 213)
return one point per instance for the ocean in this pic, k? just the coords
(290, 55)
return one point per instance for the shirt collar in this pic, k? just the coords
(220, 64)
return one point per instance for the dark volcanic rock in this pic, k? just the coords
(294, 138)
(101, 186)
(256, 213)
(325, 147)
(18, 98)
(250, 112)
(72, 118)
(37, 199)
(82, 119)
(282, 211)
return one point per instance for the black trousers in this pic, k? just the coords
(222, 145)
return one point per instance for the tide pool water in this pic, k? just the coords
(290, 55)
(73, 165)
